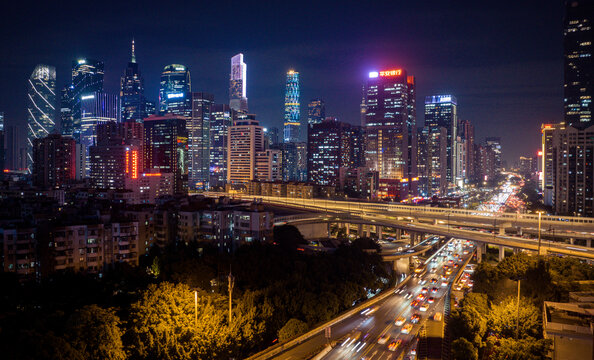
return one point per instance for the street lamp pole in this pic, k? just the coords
(539, 217)
(196, 308)
(231, 280)
(518, 312)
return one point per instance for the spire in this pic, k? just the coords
(133, 55)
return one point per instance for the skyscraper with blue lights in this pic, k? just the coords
(292, 131)
(134, 104)
(175, 90)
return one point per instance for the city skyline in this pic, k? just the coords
(512, 88)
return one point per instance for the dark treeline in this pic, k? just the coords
(147, 312)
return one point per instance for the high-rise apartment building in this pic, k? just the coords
(334, 147)
(221, 119)
(54, 162)
(269, 165)
(166, 148)
(316, 111)
(292, 130)
(432, 160)
(548, 158)
(237, 85)
(199, 141)
(466, 132)
(573, 150)
(41, 102)
(495, 143)
(246, 138)
(87, 78)
(134, 104)
(442, 111)
(578, 35)
(118, 154)
(390, 125)
(175, 91)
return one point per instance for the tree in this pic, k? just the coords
(463, 349)
(292, 328)
(523, 349)
(470, 321)
(515, 267)
(163, 324)
(365, 243)
(503, 318)
(95, 332)
(288, 237)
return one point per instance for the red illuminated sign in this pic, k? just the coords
(390, 72)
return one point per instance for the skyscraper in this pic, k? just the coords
(246, 139)
(578, 67)
(132, 92)
(87, 78)
(292, 132)
(175, 91)
(166, 148)
(432, 160)
(221, 118)
(442, 111)
(334, 148)
(389, 122)
(66, 115)
(199, 141)
(494, 142)
(41, 102)
(316, 112)
(53, 161)
(237, 85)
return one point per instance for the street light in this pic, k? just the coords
(196, 308)
(539, 218)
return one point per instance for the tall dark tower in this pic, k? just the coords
(132, 92)
(87, 78)
(577, 47)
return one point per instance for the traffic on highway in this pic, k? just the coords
(389, 330)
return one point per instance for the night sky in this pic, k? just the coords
(502, 59)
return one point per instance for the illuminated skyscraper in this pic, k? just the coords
(199, 141)
(87, 78)
(166, 148)
(134, 105)
(66, 116)
(292, 108)
(442, 111)
(96, 108)
(175, 91)
(316, 112)
(578, 35)
(390, 125)
(41, 102)
(237, 85)
(495, 144)
(246, 140)
(221, 118)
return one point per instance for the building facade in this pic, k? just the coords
(221, 120)
(292, 130)
(246, 138)
(87, 78)
(442, 111)
(41, 106)
(237, 85)
(134, 104)
(199, 137)
(54, 162)
(175, 91)
(316, 112)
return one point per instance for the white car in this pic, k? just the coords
(383, 339)
(399, 321)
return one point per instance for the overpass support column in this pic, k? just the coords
(360, 230)
(501, 230)
(329, 229)
(398, 234)
(378, 231)
(516, 251)
(519, 231)
(588, 242)
(501, 253)
(368, 231)
(435, 222)
(481, 249)
(348, 229)
(571, 241)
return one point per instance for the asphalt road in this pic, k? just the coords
(357, 336)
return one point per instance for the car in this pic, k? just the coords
(383, 339)
(369, 311)
(399, 321)
(431, 300)
(408, 295)
(421, 297)
(434, 281)
(394, 345)
(406, 329)
(414, 318)
(458, 287)
(424, 290)
(437, 316)
(422, 282)
(415, 303)
(424, 307)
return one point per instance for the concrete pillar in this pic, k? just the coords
(378, 231)
(360, 230)
(501, 253)
(481, 249)
(519, 231)
(435, 222)
(501, 230)
(329, 229)
(398, 234)
(368, 231)
(588, 242)
(348, 229)
(516, 251)
(413, 238)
